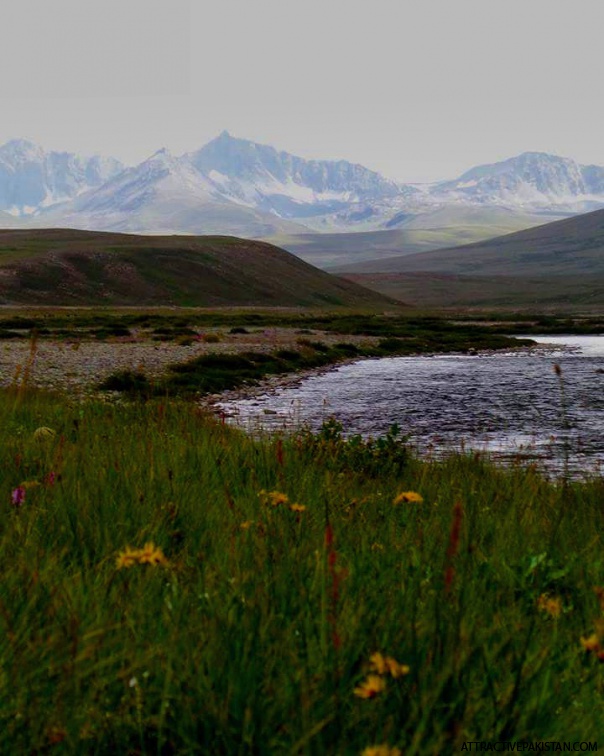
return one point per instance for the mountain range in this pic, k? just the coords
(236, 186)
(32, 179)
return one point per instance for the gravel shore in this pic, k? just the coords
(78, 366)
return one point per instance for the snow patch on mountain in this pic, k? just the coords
(31, 178)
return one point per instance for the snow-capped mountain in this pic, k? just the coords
(236, 186)
(163, 194)
(259, 176)
(31, 178)
(532, 180)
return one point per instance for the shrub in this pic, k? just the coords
(6, 334)
(391, 345)
(288, 354)
(373, 457)
(348, 348)
(127, 381)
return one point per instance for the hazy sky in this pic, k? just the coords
(416, 89)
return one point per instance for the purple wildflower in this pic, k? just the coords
(18, 496)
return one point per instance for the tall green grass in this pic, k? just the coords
(254, 637)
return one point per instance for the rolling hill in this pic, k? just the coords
(68, 267)
(439, 228)
(557, 263)
(573, 246)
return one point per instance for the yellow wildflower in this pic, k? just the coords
(408, 496)
(592, 643)
(370, 688)
(381, 750)
(126, 558)
(377, 663)
(273, 498)
(246, 525)
(151, 554)
(550, 605)
(396, 669)
(387, 665)
(297, 507)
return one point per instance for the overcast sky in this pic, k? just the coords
(417, 89)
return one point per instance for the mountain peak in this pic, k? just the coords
(22, 149)
(164, 152)
(540, 157)
(161, 159)
(282, 183)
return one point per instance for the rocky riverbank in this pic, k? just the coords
(78, 366)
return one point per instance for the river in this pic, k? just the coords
(512, 405)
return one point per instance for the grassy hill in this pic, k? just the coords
(440, 228)
(573, 246)
(67, 267)
(558, 264)
(435, 290)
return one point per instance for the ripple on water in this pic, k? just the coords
(510, 405)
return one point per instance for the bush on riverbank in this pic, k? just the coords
(171, 586)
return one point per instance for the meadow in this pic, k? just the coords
(171, 586)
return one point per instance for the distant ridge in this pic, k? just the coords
(68, 267)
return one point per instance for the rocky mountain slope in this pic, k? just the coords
(163, 194)
(32, 179)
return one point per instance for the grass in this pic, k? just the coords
(439, 331)
(254, 636)
(439, 291)
(457, 328)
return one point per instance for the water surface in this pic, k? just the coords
(512, 405)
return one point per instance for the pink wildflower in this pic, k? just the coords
(18, 496)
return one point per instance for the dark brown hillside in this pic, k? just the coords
(68, 267)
